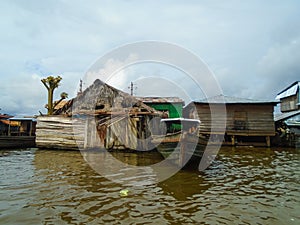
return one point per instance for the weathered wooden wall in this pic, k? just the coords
(123, 132)
(259, 120)
(242, 119)
(289, 103)
(59, 132)
(120, 132)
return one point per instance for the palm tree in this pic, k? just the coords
(51, 83)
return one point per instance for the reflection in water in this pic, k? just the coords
(242, 186)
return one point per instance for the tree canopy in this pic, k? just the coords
(51, 83)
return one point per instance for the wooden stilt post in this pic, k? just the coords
(30, 129)
(86, 136)
(232, 140)
(9, 133)
(268, 141)
(182, 153)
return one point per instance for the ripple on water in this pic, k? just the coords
(242, 186)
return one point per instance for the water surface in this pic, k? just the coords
(242, 186)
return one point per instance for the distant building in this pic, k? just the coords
(17, 127)
(17, 132)
(248, 121)
(288, 121)
(289, 98)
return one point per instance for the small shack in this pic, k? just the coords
(289, 98)
(17, 132)
(101, 116)
(287, 122)
(248, 122)
(288, 129)
(14, 126)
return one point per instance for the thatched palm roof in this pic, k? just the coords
(101, 98)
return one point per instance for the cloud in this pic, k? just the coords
(251, 46)
(280, 67)
(111, 70)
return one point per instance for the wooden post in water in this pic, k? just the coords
(86, 129)
(232, 140)
(30, 128)
(182, 151)
(268, 141)
(8, 132)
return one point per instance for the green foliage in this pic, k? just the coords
(64, 95)
(51, 83)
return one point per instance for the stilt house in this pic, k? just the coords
(99, 117)
(288, 121)
(248, 122)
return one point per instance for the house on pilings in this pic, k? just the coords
(99, 117)
(287, 122)
(248, 122)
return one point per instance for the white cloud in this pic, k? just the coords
(280, 67)
(252, 46)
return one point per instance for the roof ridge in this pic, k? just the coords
(221, 98)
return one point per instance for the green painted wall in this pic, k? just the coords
(174, 109)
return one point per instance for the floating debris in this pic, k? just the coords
(124, 193)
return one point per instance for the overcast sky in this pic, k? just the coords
(252, 47)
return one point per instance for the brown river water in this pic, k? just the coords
(242, 186)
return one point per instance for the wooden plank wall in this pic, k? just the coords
(259, 121)
(289, 103)
(129, 133)
(59, 132)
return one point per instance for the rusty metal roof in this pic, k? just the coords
(160, 99)
(223, 99)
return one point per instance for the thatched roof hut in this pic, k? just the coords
(109, 118)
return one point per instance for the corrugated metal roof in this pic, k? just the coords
(160, 99)
(289, 91)
(284, 116)
(223, 99)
